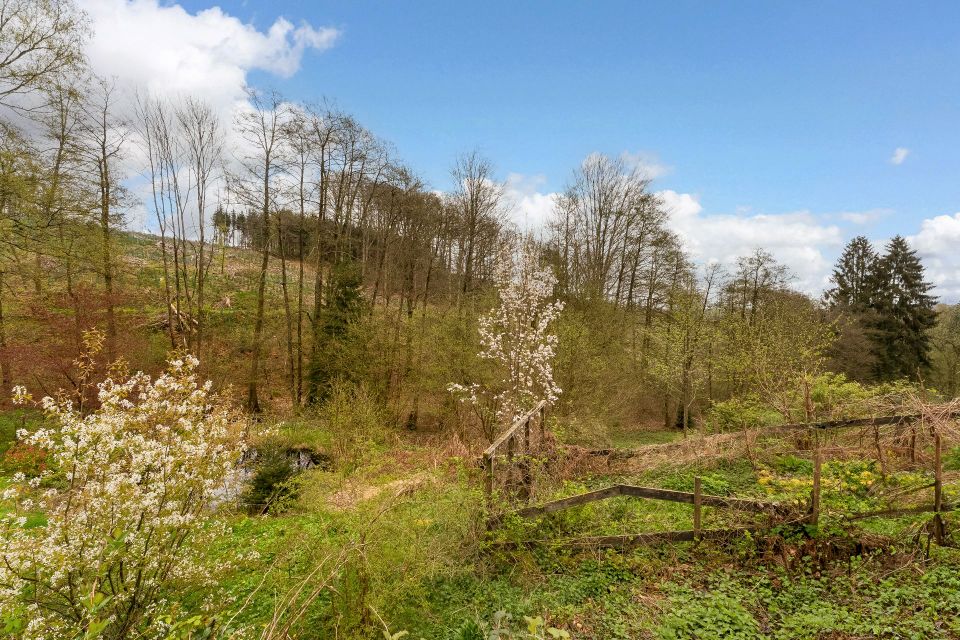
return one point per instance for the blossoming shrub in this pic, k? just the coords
(126, 497)
(518, 337)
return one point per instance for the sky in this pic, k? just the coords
(783, 125)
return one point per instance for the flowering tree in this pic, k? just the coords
(516, 335)
(124, 498)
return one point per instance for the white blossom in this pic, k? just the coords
(516, 334)
(129, 513)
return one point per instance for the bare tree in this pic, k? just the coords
(477, 199)
(594, 222)
(105, 139)
(203, 144)
(261, 128)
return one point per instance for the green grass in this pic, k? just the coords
(633, 438)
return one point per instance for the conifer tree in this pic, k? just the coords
(335, 356)
(852, 277)
(904, 313)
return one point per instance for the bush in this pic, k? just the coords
(272, 485)
(24, 458)
(131, 518)
(354, 423)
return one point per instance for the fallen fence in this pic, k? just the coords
(696, 498)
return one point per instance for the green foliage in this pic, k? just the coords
(715, 613)
(272, 485)
(951, 461)
(741, 413)
(339, 347)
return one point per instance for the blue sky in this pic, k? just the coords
(773, 106)
(749, 110)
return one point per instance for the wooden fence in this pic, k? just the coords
(697, 498)
(509, 457)
(517, 443)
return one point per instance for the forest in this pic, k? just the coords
(258, 379)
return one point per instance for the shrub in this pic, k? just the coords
(128, 518)
(354, 422)
(24, 458)
(272, 484)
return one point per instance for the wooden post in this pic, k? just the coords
(543, 425)
(526, 462)
(488, 480)
(938, 488)
(696, 507)
(511, 445)
(815, 494)
(937, 473)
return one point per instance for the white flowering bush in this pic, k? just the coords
(516, 336)
(125, 497)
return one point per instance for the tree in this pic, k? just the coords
(335, 337)
(203, 144)
(602, 224)
(126, 518)
(849, 303)
(517, 336)
(853, 276)
(39, 39)
(261, 127)
(945, 339)
(104, 145)
(905, 314)
(477, 202)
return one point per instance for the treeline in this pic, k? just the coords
(347, 269)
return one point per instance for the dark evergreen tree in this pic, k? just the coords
(335, 355)
(903, 314)
(853, 281)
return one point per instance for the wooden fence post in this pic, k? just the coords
(938, 488)
(696, 507)
(511, 445)
(488, 480)
(543, 425)
(815, 494)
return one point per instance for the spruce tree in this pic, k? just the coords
(852, 277)
(336, 343)
(903, 313)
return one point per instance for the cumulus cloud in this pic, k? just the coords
(167, 50)
(899, 155)
(936, 244)
(529, 208)
(798, 239)
(647, 162)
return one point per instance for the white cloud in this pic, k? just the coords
(937, 244)
(899, 155)
(529, 208)
(796, 239)
(169, 51)
(647, 162)
(865, 217)
(166, 51)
